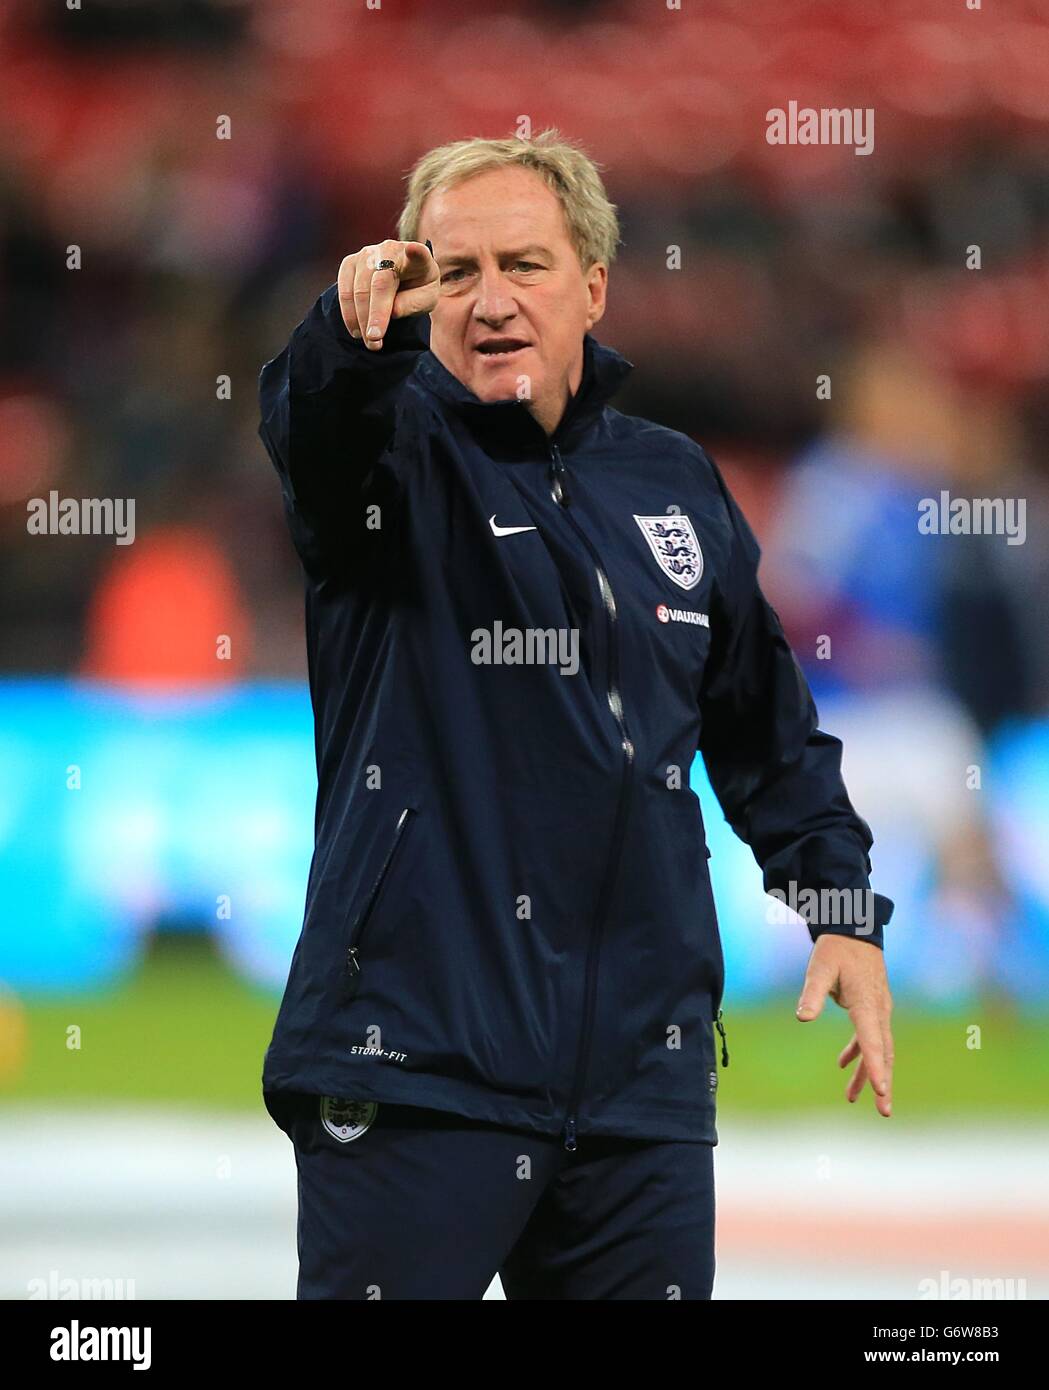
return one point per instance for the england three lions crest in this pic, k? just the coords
(673, 542)
(347, 1120)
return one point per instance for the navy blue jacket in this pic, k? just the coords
(509, 912)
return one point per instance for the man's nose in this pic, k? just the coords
(494, 303)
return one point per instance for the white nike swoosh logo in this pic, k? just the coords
(506, 530)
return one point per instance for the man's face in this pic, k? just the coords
(510, 279)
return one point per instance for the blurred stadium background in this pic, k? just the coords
(148, 915)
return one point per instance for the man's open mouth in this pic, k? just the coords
(501, 347)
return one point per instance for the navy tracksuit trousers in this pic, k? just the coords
(403, 1202)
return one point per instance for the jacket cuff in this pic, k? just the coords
(863, 929)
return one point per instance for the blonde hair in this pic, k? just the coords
(570, 173)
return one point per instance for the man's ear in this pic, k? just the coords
(597, 291)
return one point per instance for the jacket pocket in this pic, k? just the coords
(359, 927)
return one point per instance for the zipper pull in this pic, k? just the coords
(724, 1041)
(351, 977)
(569, 1133)
(559, 476)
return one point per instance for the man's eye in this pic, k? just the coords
(449, 275)
(529, 265)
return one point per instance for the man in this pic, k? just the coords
(525, 612)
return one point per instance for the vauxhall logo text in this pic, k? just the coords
(682, 615)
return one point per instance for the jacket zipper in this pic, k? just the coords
(724, 1040)
(559, 491)
(352, 962)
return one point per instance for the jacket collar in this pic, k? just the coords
(509, 426)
